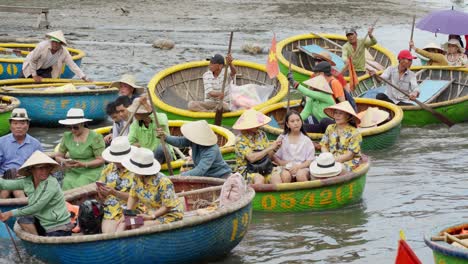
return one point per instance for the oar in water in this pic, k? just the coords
(220, 109)
(13, 241)
(438, 115)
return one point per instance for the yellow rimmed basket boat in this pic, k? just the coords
(375, 138)
(10, 68)
(174, 87)
(46, 105)
(198, 237)
(314, 195)
(444, 252)
(301, 63)
(7, 104)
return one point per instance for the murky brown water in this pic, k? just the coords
(418, 184)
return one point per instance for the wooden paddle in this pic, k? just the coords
(438, 115)
(327, 40)
(13, 241)
(455, 239)
(219, 110)
(442, 238)
(162, 139)
(129, 119)
(289, 85)
(412, 30)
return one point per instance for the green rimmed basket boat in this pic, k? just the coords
(301, 66)
(451, 101)
(445, 253)
(314, 195)
(7, 104)
(375, 138)
(174, 87)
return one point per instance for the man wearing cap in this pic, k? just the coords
(47, 58)
(16, 148)
(213, 83)
(350, 48)
(402, 77)
(128, 87)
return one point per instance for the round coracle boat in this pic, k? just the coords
(7, 104)
(446, 244)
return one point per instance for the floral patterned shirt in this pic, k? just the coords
(349, 140)
(246, 144)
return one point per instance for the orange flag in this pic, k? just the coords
(272, 62)
(405, 254)
(353, 78)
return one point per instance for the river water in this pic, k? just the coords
(416, 185)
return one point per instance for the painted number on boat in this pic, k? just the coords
(239, 226)
(325, 197)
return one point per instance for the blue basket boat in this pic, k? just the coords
(196, 238)
(444, 252)
(46, 105)
(11, 67)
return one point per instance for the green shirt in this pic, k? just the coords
(316, 102)
(46, 202)
(359, 60)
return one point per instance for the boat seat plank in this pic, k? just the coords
(309, 49)
(431, 89)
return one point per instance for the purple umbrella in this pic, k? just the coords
(445, 22)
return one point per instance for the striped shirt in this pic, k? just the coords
(212, 83)
(407, 82)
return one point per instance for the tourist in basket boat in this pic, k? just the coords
(46, 212)
(47, 59)
(253, 150)
(128, 87)
(213, 83)
(454, 55)
(343, 139)
(153, 189)
(296, 151)
(119, 114)
(84, 147)
(350, 48)
(206, 155)
(16, 148)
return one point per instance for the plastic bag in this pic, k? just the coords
(249, 95)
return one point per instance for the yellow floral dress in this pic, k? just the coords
(157, 193)
(338, 144)
(114, 206)
(246, 144)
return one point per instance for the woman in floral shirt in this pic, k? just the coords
(343, 139)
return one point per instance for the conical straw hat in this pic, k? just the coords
(345, 107)
(251, 119)
(199, 132)
(372, 117)
(128, 79)
(319, 83)
(37, 158)
(325, 55)
(58, 35)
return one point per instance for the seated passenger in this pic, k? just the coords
(128, 87)
(46, 204)
(343, 139)
(296, 151)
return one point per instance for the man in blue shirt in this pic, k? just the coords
(16, 148)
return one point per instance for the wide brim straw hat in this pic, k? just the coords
(325, 166)
(142, 162)
(251, 118)
(454, 42)
(345, 107)
(119, 150)
(325, 55)
(58, 35)
(74, 116)
(199, 132)
(433, 45)
(319, 83)
(128, 79)
(37, 158)
(19, 114)
(372, 116)
(137, 108)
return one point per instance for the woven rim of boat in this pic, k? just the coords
(348, 176)
(184, 223)
(443, 247)
(284, 42)
(14, 102)
(30, 84)
(78, 53)
(183, 112)
(439, 104)
(396, 120)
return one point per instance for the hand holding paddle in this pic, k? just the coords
(219, 110)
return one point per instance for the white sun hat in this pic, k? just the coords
(119, 150)
(325, 166)
(74, 116)
(19, 114)
(142, 162)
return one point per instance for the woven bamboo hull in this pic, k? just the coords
(191, 240)
(444, 252)
(377, 138)
(452, 103)
(46, 108)
(174, 87)
(11, 68)
(381, 54)
(315, 195)
(5, 113)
